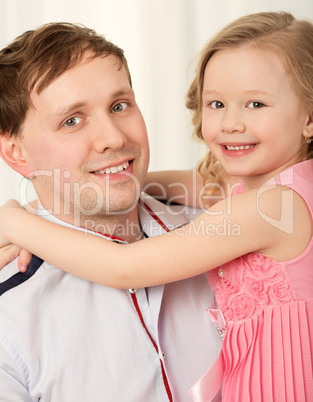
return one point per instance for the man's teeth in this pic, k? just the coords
(114, 169)
(238, 148)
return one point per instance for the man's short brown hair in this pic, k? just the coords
(36, 58)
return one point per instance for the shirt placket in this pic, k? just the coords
(140, 302)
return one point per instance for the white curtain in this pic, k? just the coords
(161, 39)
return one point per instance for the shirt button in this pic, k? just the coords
(133, 291)
(162, 355)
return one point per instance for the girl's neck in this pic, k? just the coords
(253, 182)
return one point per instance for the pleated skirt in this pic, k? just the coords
(267, 358)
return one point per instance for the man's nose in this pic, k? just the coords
(108, 135)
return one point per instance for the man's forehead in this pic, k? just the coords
(41, 81)
(114, 86)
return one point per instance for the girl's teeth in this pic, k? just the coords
(238, 148)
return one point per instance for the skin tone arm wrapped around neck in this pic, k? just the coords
(185, 252)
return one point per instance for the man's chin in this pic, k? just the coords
(108, 208)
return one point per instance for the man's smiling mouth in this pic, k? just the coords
(113, 169)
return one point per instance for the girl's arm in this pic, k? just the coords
(184, 187)
(176, 186)
(11, 251)
(187, 187)
(229, 229)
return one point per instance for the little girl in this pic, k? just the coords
(252, 102)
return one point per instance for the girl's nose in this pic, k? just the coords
(232, 122)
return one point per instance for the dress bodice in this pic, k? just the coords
(248, 284)
(266, 313)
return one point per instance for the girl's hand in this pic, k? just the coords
(4, 210)
(10, 252)
(7, 206)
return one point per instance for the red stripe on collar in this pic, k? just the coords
(154, 216)
(151, 213)
(111, 237)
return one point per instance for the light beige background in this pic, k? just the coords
(161, 39)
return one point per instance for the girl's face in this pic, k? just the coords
(252, 119)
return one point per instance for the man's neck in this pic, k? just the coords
(124, 226)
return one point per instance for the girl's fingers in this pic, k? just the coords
(8, 253)
(24, 260)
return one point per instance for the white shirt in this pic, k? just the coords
(64, 339)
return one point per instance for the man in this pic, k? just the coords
(69, 122)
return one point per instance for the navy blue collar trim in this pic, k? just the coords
(20, 277)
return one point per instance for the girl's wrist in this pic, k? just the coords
(12, 223)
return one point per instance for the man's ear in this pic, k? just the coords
(11, 153)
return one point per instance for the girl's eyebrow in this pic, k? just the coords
(209, 92)
(248, 92)
(260, 92)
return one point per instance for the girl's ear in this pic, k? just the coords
(11, 153)
(308, 129)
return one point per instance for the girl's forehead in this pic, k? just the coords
(247, 51)
(246, 69)
(245, 59)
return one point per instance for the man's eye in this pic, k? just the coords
(72, 121)
(216, 105)
(119, 107)
(255, 105)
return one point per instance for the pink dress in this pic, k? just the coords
(267, 320)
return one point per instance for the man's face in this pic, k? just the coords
(85, 141)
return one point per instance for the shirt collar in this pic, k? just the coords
(43, 213)
(155, 217)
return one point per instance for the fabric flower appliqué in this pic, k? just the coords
(248, 285)
(241, 306)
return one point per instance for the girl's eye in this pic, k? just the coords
(216, 105)
(119, 107)
(255, 105)
(72, 121)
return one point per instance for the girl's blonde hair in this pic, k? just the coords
(280, 32)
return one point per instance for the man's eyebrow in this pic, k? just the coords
(73, 107)
(68, 109)
(122, 92)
